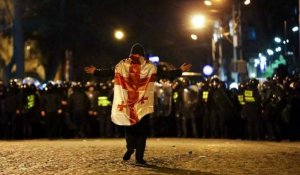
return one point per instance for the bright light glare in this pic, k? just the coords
(28, 47)
(207, 70)
(154, 59)
(208, 2)
(247, 2)
(295, 29)
(119, 35)
(277, 40)
(278, 49)
(270, 52)
(194, 37)
(263, 63)
(198, 21)
(215, 37)
(256, 62)
(234, 85)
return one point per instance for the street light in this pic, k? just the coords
(198, 21)
(194, 36)
(277, 40)
(119, 35)
(247, 2)
(278, 49)
(295, 29)
(270, 52)
(208, 2)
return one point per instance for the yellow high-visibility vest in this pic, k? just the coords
(31, 103)
(103, 101)
(205, 96)
(175, 96)
(241, 99)
(249, 96)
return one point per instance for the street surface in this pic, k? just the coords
(163, 156)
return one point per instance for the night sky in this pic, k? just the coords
(86, 28)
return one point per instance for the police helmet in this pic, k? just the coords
(50, 86)
(253, 83)
(214, 81)
(14, 85)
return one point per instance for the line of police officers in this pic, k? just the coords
(267, 110)
(59, 110)
(185, 107)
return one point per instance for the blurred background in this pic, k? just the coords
(240, 39)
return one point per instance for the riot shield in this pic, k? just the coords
(190, 98)
(223, 103)
(163, 98)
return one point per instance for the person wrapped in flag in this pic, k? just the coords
(134, 96)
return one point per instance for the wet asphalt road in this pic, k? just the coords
(163, 156)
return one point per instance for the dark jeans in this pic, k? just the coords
(136, 136)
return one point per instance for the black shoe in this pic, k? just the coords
(141, 161)
(128, 154)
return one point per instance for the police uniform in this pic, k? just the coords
(252, 110)
(30, 106)
(203, 95)
(50, 104)
(12, 105)
(103, 107)
(294, 110)
(218, 109)
(79, 105)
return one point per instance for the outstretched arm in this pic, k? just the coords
(172, 74)
(90, 69)
(185, 67)
(98, 72)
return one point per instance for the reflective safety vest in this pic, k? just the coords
(30, 101)
(241, 99)
(175, 96)
(249, 96)
(205, 96)
(103, 101)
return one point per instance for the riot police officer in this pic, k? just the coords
(51, 110)
(216, 118)
(12, 104)
(236, 123)
(103, 108)
(67, 126)
(293, 108)
(93, 94)
(79, 105)
(252, 110)
(30, 107)
(160, 120)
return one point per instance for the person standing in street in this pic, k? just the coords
(133, 100)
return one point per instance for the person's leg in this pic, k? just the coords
(140, 149)
(142, 129)
(130, 143)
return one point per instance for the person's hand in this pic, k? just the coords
(90, 69)
(59, 111)
(185, 67)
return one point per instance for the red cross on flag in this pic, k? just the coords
(133, 90)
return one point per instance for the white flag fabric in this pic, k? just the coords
(133, 90)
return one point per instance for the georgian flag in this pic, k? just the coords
(133, 90)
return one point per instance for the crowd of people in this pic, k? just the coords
(206, 108)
